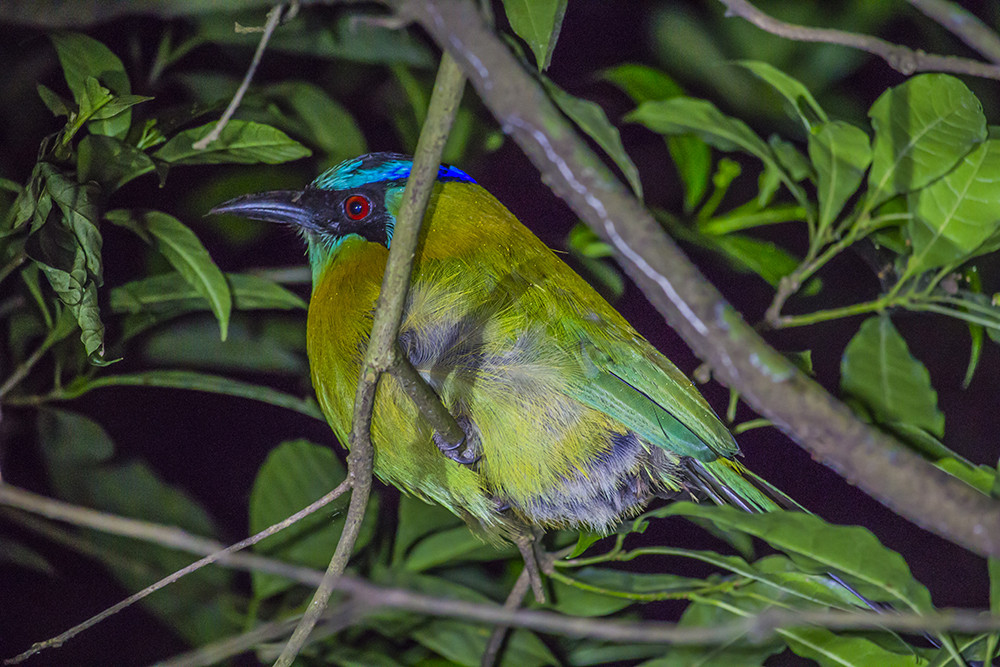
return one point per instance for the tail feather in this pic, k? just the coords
(728, 482)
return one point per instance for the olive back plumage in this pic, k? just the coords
(578, 420)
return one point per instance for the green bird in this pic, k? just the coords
(572, 419)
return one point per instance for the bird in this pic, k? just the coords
(571, 418)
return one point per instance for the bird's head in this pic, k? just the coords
(359, 197)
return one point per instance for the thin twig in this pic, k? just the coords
(171, 537)
(513, 601)
(273, 17)
(382, 343)
(901, 58)
(964, 25)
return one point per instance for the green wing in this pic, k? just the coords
(640, 388)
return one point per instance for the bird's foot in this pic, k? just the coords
(466, 450)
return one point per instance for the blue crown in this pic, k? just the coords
(378, 168)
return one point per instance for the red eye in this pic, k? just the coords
(357, 207)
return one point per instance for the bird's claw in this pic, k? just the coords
(465, 450)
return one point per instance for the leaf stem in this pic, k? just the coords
(789, 321)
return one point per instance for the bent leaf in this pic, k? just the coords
(185, 253)
(590, 117)
(799, 99)
(841, 153)
(878, 369)
(538, 23)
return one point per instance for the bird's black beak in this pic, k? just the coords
(302, 208)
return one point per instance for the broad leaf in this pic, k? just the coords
(294, 475)
(538, 23)
(82, 57)
(311, 113)
(110, 161)
(214, 384)
(840, 153)
(416, 519)
(923, 127)
(851, 550)
(878, 369)
(956, 214)
(241, 142)
(450, 547)
(801, 102)
(186, 254)
(590, 117)
(171, 292)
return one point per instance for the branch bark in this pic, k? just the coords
(901, 58)
(803, 410)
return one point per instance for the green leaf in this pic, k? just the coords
(956, 214)
(82, 57)
(296, 474)
(790, 158)
(827, 648)
(801, 102)
(683, 115)
(214, 384)
(417, 519)
(241, 142)
(110, 161)
(635, 585)
(21, 555)
(980, 477)
(993, 567)
(538, 23)
(67, 248)
(78, 457)
(878, 369)
(186, 254)
(255, 344)
(308, 110)
(452, 546)
(840, 153)
(463, 644)
(740, 653)
(171, 292)
(56, 104)
(692, 156)
(642, 83)
(851, 550)
(764, 258)
(923, 127)
(590, 118)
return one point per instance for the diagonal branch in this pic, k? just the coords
(382, 344)
(901, 58)
(801, 408)
(963, 24)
